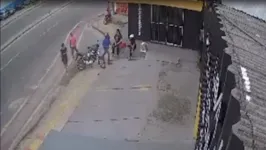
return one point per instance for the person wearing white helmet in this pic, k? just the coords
(132, 45)
(131, 36)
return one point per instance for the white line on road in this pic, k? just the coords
(39, 82)
(48, 29)
(14, 116)
(26, 100)
(52, 27)
(14, 143)
(21, 14)
(66, 39)
(19, 52)
(82, 32)
(9, 61)
(26, 30)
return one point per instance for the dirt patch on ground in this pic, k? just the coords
(71, 72)
(171, 107)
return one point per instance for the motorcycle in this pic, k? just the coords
(88, 59)
(107, 19)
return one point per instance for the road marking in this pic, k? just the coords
(82, 32)
(26, 30)
(23, 13)
(9, 61)
(19, 52)
(37, 86)
(135, 88)
(13, 117)
(26, 100)
(16, 103)
(36, 143)
(67, 37)
(141, 87)
(48, 29)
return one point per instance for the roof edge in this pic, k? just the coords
(185, 4)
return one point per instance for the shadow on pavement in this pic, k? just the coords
(71, 72)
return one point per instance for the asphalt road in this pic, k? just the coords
(26, 60)
(15, 27)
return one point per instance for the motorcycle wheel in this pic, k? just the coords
(81, 65)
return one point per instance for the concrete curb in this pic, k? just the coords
(22, 13)
(97, 29)
(40, 111)
(31, 26)
(43, 107)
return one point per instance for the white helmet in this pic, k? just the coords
(131, 36)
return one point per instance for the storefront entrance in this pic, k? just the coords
(167, 25)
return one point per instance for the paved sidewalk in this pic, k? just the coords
(119, 22)
(146, 101)
(150, 102)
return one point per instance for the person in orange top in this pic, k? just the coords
(73, 44)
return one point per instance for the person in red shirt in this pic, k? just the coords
(73, 44)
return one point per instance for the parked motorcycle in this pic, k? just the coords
(85, 60)
(107, 19)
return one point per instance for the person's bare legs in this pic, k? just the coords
(72, 52)
(106, 51)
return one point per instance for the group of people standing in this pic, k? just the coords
(106, 43)
(117, 45)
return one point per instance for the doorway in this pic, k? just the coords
(158, 23)
(167, 25)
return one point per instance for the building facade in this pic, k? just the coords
(121, 8)
(220, 122)
(165, 24)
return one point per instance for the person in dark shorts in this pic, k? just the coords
(132, 45)
(64, 58)
(116, 44)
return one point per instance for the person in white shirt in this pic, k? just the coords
(143, 49)
(101, 55)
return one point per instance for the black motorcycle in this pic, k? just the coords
(88, 59)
